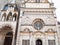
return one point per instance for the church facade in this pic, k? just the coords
(34, 21)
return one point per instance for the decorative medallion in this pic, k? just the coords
(38, 24)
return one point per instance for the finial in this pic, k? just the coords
(52, 3)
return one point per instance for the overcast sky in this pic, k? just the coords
(57, 6)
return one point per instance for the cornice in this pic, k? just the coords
(38, 8)
(43, 25)
(38, 32)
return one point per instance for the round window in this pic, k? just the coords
(38, 25)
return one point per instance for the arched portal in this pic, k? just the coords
(8, 38)
(38, 42)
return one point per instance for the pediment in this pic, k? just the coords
(38, 33)
(26, 30)
(50, 31)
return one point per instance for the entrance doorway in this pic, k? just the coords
(38, 42)
(8, 38)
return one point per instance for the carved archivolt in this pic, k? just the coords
(6, 28)
(38, 19)
(38, 23)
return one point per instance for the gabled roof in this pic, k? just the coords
(10, 5)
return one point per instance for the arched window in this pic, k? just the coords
(9, 17)
(14, 17)
(38, 42)
(8, 38)
(4, 17)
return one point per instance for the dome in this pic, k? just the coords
(7, 6)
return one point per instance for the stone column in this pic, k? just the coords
(46, 40)
(18, 37)
(2, 38)
(13, 38)
(56, 39)
(21, 13)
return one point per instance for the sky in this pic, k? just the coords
(57, 6)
